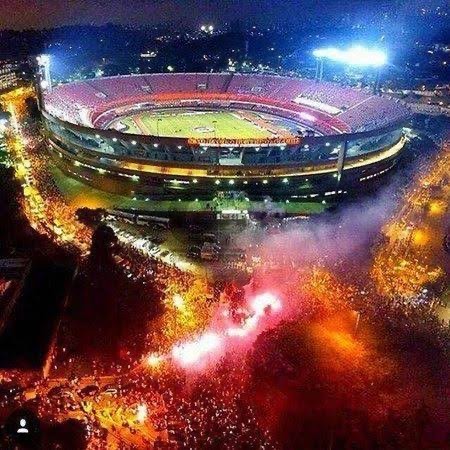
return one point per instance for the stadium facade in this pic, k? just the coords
(346, 138)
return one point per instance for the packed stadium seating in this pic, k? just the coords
(336, 108)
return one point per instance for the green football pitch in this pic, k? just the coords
(199, 124)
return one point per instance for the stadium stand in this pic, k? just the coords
(335, 108)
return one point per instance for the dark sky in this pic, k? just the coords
(20, 14)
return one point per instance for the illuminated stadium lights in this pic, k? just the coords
(285, 180)
(207, 28)
(231, 182)
(114, 139)
(44, 71)
(97, 136)
(327, 144)
(265, 181)
(43, 59)
(356, 56)
(245, 182)
(155, 145)
(194, 180)
(170, 68)
(133, 142)
(217, 182)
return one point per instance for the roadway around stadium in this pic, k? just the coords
(81, 195)
(191, 123)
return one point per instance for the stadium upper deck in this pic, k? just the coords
(334, 108)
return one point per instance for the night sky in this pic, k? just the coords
(22, 14)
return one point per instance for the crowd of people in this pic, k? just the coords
(404, 262)
(43, 202)
(215, 407)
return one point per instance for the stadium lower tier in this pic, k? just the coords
(140, 178)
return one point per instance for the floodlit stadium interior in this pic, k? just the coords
(195, 135)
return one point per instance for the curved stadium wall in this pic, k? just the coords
(353, 138)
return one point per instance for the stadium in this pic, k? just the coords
(195, 135)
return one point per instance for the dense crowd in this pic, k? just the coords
(404, 262)
(44, 205)
(220, 407)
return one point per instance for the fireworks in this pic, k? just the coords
(141, 413)
(178, 301)
(264, 303)
(192, 352)
(154, 360)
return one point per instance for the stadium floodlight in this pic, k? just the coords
(207, 28)
(43, 59)
(43, 62)
(355, 56)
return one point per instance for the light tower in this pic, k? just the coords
(45, 80)
(354, 56)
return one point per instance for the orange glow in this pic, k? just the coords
(154, 360)
(437, 208)
(178, 301)
(420, 237)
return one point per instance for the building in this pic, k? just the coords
(8, 75)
